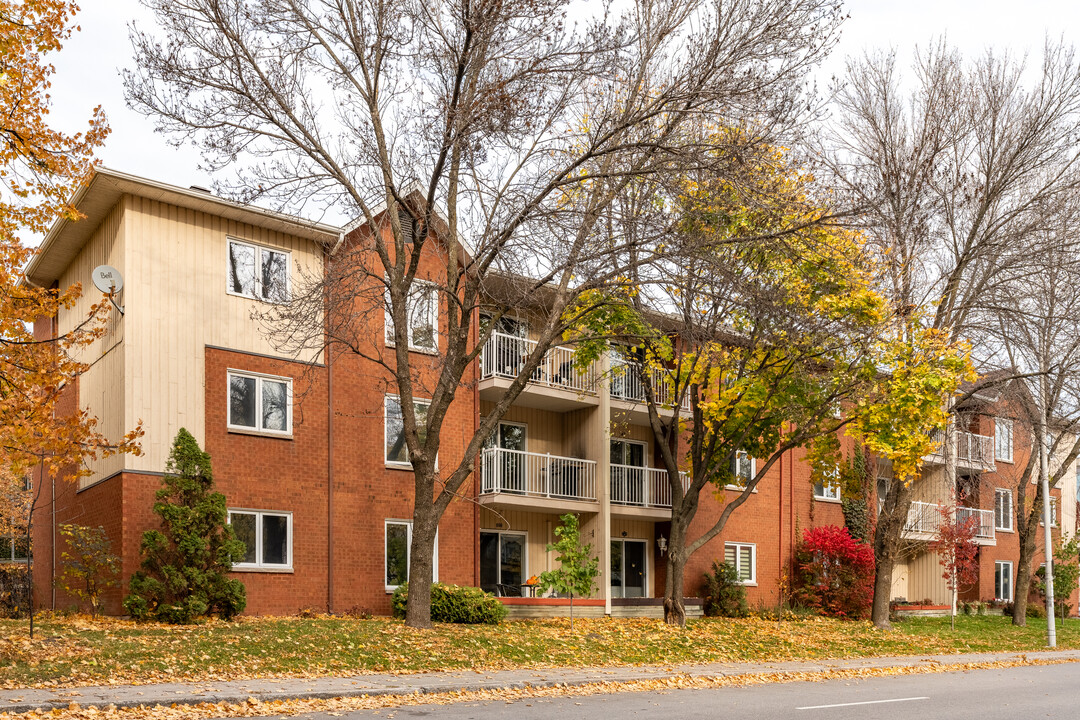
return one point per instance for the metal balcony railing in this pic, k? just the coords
(641, 487)
(971, 450)
(627, 384)
(505, 355)
(925, 518)
(517, 472)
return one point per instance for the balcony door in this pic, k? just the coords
(627, 472)
(502, 562)
(627, 568)
(510, 466)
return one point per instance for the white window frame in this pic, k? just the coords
(830, 491)
(259, 565)
(404, 465)
(999, 448)
(259, 250)
(388, 321)
(753, 470)
(753, 560)
(999, 566)
(1007, 513)
(408, 553)
(258, 428)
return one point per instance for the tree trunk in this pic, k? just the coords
(1023, 572)
(674, 611)
(887, 535)
(421, 567)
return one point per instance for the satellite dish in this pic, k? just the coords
(107, 279)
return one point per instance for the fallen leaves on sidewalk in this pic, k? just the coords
(253, 707)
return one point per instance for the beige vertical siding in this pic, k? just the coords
(545, 430)
(174, 267)
(925, 581)
(101, 387)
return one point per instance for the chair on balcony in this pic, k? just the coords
(504, 590)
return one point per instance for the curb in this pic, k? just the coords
(195, 696)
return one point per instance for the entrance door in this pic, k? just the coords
(627, 568)
(627, 472)
(502, 563)
(509, 465)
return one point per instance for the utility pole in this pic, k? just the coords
(1044, 480)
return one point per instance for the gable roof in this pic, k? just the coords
(99, 196)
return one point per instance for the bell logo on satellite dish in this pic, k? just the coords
(108, 280)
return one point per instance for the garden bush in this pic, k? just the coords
(185, 563)
(834, 573)
(454, 604)
(724, 595)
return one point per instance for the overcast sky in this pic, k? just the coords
(88, 67)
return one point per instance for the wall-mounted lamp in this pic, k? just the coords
(661, 542)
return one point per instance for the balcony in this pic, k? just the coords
(628, 396)
(537, 481)
(973, 452)
(641, 492)
(924, 519)
(557, 384)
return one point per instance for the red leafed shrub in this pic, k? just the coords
(834, 573)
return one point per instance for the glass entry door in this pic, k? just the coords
(510, 465)
(627, 472)
(627, 568)
(502, 563)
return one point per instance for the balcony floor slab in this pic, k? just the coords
(538, 396)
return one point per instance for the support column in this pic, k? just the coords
(603, 480)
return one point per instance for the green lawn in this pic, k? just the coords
(80, 651)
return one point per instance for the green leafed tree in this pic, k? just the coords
(1066, 574)
(578, 568)
(184, 564)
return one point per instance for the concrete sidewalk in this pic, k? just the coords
(235, 691)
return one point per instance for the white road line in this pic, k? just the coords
(865, 702)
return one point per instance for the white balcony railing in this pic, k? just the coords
(627, 384)
(505, 355)
(971, 450)
(537, 475)
(641, 487)
(925, 518)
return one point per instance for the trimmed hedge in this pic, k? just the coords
(455, 604)
(724, 595)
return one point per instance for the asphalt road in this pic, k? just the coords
(1049, 691)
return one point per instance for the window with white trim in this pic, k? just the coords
(742, 557)
(1003, 580)
(262, 403)
(1003, 511)
(398, 553)
(397, 451)
(422, 315)
(829, 487)
(1003, 440)
(258, 272)
(267, 538)
(743, 468)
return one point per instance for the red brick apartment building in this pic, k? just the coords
(310, 458)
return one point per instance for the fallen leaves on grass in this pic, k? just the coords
(82, 651)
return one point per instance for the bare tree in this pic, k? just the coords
(1035, 330)
(520, 128)
(952, 179)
